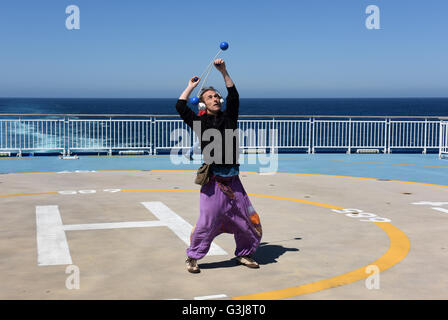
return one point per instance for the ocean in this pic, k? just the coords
(329, 106)
(40, 136)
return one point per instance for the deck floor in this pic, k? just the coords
(336, 226)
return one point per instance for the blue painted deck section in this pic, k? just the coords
(426, 168)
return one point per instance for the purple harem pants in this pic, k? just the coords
(225, 207)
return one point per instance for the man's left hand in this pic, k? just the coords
(220, 65)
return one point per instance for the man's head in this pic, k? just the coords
(212, 100)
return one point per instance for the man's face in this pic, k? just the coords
(211, 99)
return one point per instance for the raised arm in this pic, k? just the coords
(191, 85)
(233, 103)
(221, 66)
(181, 106)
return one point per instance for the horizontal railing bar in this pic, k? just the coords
(155, 133)
(241, 116)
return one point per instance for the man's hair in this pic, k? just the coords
(204, 90)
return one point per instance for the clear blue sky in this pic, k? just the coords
(295, 48)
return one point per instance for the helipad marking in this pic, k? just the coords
(319, 204)
(113, 225)
(421, 183)
(216, 296)
(297, 173)
(52, 246)
(326, 175)
(433, 203)
(31, 172)
(395, 164)
(398, 249)
(364, 178)
(25, 194)
(178, 225)
(441, 210)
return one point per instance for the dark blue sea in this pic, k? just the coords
(340, 106)
(41, 136)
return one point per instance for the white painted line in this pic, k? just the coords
(441, 210)
(216, 296)
(178, 225)
(67, 192)
(52, 246)
(430, 203)
(113, 225)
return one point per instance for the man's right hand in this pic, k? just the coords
(194, 82)
(191, 85)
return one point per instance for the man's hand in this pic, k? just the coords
(220, 65)
(191, 85)
(194, 82)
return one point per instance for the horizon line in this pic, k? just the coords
(128, 98)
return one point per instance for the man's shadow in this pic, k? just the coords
(266, 253)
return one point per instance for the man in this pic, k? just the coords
(224, 204)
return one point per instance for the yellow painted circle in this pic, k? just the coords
(399, 247)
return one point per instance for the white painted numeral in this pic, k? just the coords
(72, 192)
(348, 210)
(87, 191)
(377, 219)
(361, 215)
(357, 214)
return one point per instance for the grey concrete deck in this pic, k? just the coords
(308, 251)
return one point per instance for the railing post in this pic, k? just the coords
(425, 136)
(66, 135)
(70, 133)
(271, 133)
(110, 137)
(387, 137)
(349, 135)
(20, 140)
(313, 128)
(153, 135)
(309, 135)
(442, 145)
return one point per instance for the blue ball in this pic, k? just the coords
(194, 100)
(224, 45)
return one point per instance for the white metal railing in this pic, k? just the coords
(170, 134)
(414, 134)
(349, 134)
(443, 150)
(108, 134)
(254, 134)
(154, 133)
(292, 134)
(32, 134)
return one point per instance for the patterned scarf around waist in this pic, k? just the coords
(224, 185)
